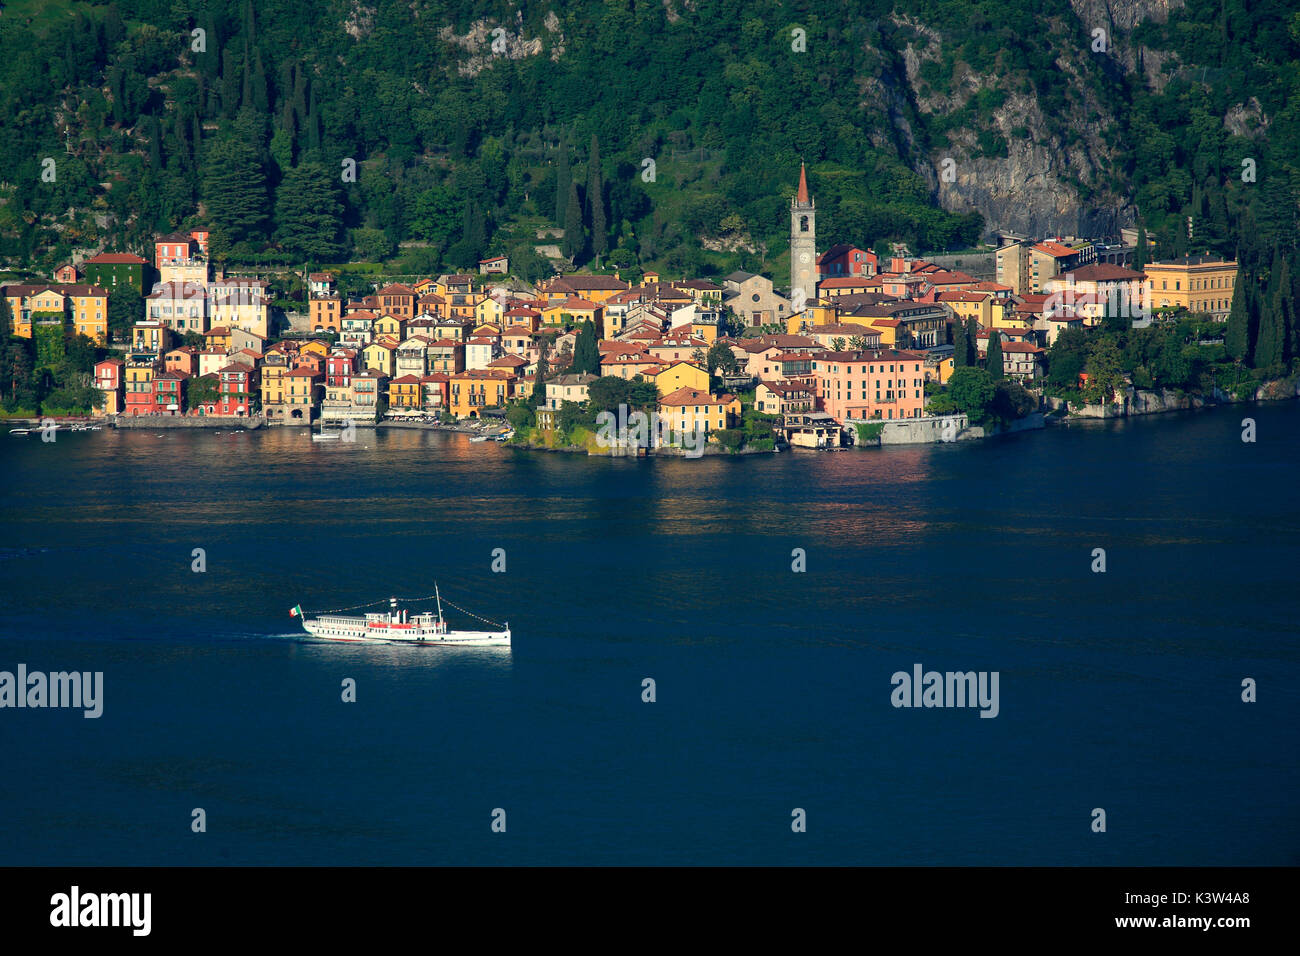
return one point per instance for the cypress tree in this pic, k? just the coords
(562, 180)
(1293, 330)
(155, 148)
(313, 122)
(539, 384)
(972, 340)
(1270, 340)
(1140, 253)
(573, 237)
(586, 353)
(181, 131)
(261, 102)
(596, 200)
(229, 89)
(994, 362)
(246, 83)
(959, 343)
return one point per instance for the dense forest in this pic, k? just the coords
(665, 133)
(470, 124)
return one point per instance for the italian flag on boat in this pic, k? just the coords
(295, 611)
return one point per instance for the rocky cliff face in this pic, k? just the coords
(1057, 174)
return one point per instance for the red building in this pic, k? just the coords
(169, 393)
(176, 247)
(139, 388)
(843, 261)
(109, 380)
(236, 384)
(340, 366)
(434, 391)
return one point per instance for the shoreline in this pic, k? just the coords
(1134, 403)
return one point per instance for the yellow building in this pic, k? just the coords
(708, 331)
(315, 347)
(475, 390)
(1197, 283)
(139, 381)
(888, 329)
(820, 312)
(389, 325)
(970, 305)
(1003, 312)
(217, 338)
(406, 392)
(686, 408)
(381, 356)
(939, 370)
(24, 300)
(150, 337)
(273, 383)
(302, 394)
(89, 308)
(572, 312)
(241, 309)
(679, 375)
(489, 311)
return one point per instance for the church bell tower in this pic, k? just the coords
(803, 242)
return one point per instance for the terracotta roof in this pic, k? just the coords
(693, 396)
(871, 355)
(1056, 250)
(786, 388)
(1104, 272)
(603, 283)
(115, 258)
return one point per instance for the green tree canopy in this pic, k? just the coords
(308, 214)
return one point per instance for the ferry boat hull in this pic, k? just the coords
(353, 633)
(397, 627)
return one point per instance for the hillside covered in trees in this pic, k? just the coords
(653, 132)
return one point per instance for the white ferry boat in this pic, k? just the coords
(398, 626)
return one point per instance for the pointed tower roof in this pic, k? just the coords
(802, 198)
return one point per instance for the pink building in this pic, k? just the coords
(879, 384)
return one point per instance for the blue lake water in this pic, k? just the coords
(1119, 691)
